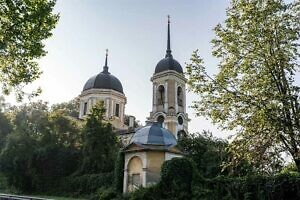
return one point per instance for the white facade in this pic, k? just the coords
(114, 103)
(170, 105)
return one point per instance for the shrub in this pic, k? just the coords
(278, 187)
(106, 193)
(84, 185)
(119, 172)
(153, 192)
(177, 177)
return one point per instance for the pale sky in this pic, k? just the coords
(135, 32)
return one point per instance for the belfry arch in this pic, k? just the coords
(160, 95)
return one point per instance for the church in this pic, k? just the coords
(147, 147)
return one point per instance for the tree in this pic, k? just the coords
(254, 92)
(100, 145)
(70, 108)
(5, 129)
(24, 25)
(41, 148)
(207, 152)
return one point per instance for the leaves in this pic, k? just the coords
(24, 25)
(254, 93)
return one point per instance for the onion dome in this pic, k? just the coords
(104, 80)
(154, 135)
(168, 63)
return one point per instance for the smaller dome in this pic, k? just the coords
(154, 134)
(168, 63)
(104, 80)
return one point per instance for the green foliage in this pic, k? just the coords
(99, 143)
(254, 93)
(176, 178)
(150, 193)
(83, 185)
(279, 187)
(119, 172)
(24, 25)
(40, 149)
(70, 108)
(284, 186)
(5, 128)
(15, 161)
(207, 152)
(290, 168)
(3, 183)
(106, 193)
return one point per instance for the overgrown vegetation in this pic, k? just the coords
(47, 150)
(254, 92)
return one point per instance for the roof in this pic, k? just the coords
(154, 135)
(168, 63)
(104, 80)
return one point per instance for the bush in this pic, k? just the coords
(106, 193)
(84, 185)
(119, 172)
(177, 177)
(150, 193)
(3, 183)
(279, 187)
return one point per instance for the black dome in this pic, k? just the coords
(104, 80)
(168, 63)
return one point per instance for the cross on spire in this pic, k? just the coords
(105, 68)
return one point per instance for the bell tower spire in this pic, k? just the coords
(169, 94)
(105, 68)
(168, 52)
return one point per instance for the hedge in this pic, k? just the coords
(83, 185)
(278, 187)
(180, 180)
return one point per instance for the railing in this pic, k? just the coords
(17, 197)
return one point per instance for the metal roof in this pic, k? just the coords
(154, 134)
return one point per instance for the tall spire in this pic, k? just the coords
(105, 68)
(168, 54)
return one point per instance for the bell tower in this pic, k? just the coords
(169, 94)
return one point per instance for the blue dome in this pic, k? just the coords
(154, 134)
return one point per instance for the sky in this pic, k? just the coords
(135, 32)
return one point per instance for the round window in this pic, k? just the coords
(180, 120)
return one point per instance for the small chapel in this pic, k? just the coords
(147, 147)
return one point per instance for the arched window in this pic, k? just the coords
(179, 96)
(117, 110)
(84, 108)
(160, 119)
(135, 170)
(161, 95)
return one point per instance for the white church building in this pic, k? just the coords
(146, 148)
